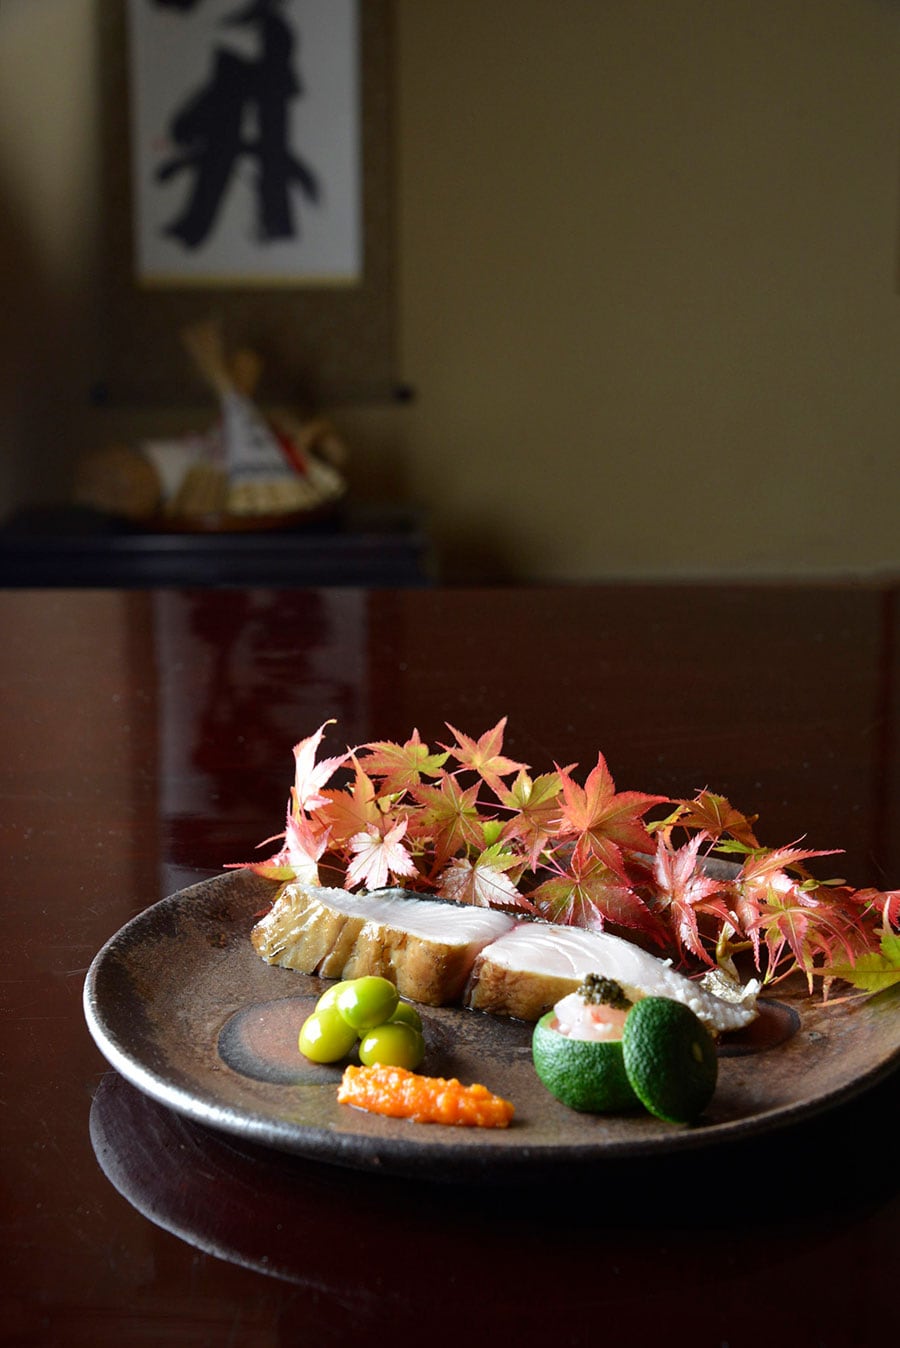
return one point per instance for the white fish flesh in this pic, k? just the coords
(426, 947)
(530, 968)
(441, 953)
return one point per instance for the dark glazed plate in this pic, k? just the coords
(181, 1005)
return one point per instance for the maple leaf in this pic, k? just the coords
(792, 918)
(402, 766)
(378, 855)
(275, 868)
(715, 816)
(786, 924)
(310, 776)
(304, 846)
(874, 971)
(886, 902)
(484, 755)
(346, 813)
(761, 876)
(588, 851)
(483, 882)
(535, 803)
(603, 821)
(449, 817)
(590, 894)
(682, 890)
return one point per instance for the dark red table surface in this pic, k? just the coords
(147, 742)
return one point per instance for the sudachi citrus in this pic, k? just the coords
(587, 1075)
(670, 1059)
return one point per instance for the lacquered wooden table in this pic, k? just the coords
(147, 743)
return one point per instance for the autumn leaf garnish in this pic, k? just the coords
(347, 813)
(683, 891)
(534, 811)
(602, 821)
(874, 970)
(589, 893)
(883, 901)
(484, 755)
(483, 881)
(760, 902)
(448, 817)
(717, 817)
(402, 766)
(376, 856)
(577, 853)
(310, 776)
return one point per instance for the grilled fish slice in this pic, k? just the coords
(425, 946)
(530, 968)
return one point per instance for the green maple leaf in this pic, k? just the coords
(874, 971)
(535, 803)
(402, 766)
(449, 817)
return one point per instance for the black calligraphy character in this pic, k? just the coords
(241, 111)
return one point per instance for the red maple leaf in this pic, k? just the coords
(484, 755)
(761, 877)
(603, 821)
(715, 816)
(303, 845)
(589, 894)
(682, 891)
(344, 813)
(793, 920)
(883, 901)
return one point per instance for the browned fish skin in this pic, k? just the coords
(425, 947)
(512, 992)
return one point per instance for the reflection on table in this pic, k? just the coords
(147, 744)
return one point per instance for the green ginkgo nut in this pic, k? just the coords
(366, 1002)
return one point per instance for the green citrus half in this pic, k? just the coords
(585, 1074)
(670, 1059)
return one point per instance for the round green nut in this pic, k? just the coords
(393, 1044)
(368, 1001)
(325, 1036)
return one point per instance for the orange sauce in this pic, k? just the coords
(401, 1094)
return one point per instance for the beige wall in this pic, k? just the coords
(647, 272)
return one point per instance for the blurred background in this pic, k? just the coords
(645, 277)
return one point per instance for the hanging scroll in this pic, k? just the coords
(246, 173)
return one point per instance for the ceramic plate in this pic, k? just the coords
(181, 1005)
